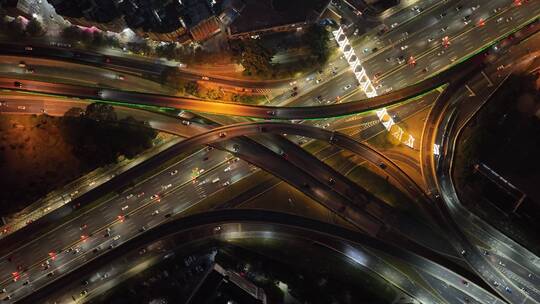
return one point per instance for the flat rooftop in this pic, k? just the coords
(261, 14)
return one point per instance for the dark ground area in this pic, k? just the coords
(41, 153)
(505, 136)
(288, 271)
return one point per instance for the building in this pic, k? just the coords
(205, 29)
(219, 280)
(16, 8)
(258, 17)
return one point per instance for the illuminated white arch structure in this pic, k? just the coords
(358, 70)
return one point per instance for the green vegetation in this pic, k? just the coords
(87, 37)
(41, 153)
(256, 55)
(504, 135)
(98, 137)
(17, 29)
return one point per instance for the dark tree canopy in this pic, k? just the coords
(98, 137)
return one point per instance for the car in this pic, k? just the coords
(125, 207)
(174, 172)
(18, 84)
(186, 122)
(156, 212)
(345, 88)
(404, 47)
(205, 78)
(129, 196)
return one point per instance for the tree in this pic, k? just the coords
(316, 38)
(98, 137)
(99, 111)
(34, 28)
(15, 28)
(254, 57)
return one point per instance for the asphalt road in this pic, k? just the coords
(237, 224)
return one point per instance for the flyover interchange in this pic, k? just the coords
(456, 74)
